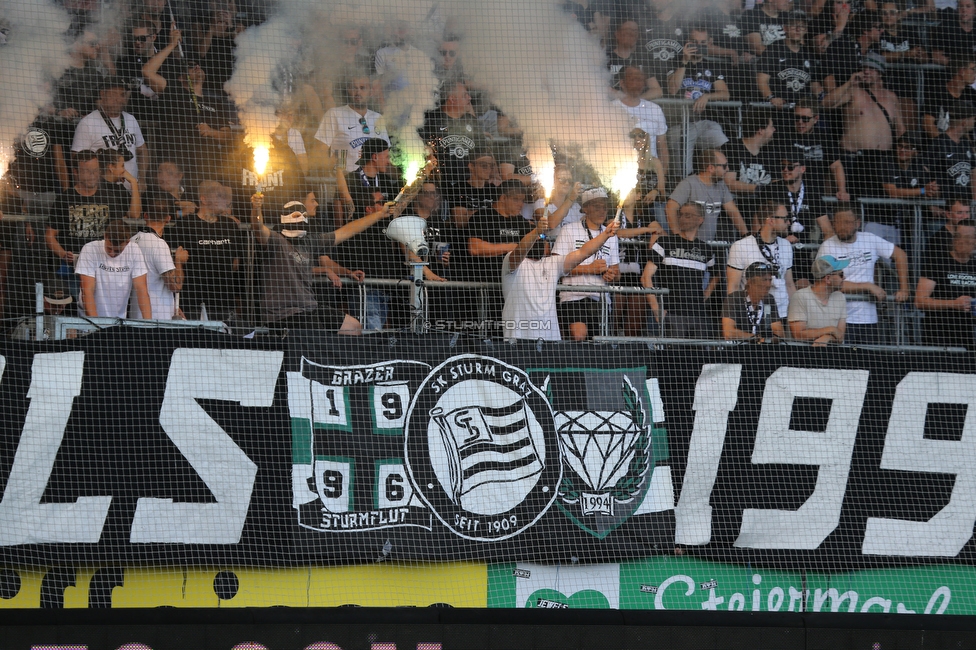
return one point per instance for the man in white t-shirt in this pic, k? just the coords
(579, 313)
(644, 114)
(110, 269)
(164, 269)
(110, 127)
(529, 280)
(768, 246)
(862, 250)
(346, 128)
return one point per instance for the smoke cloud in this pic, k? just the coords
(536, 62)
(35, 54)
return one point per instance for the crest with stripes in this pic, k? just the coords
(481, 447)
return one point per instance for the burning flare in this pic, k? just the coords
(261, 158)
(623, 182)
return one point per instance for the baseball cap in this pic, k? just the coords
(113, 81)
(593, 194)
(511, 186)
(794, 16)
(758, 270)
(56, 292)
(874, 60)
(824, 266)
(372, 147)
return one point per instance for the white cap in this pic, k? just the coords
(592, 194)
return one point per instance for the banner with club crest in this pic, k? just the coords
(155, 447)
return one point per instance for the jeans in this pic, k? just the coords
(377, 309)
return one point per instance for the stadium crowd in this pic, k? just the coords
(141, 128)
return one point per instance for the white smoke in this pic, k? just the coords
(536, 62)
(413, 92)
(542, 69)
(34, 56)
(262, 53)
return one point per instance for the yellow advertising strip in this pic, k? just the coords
(382, 585)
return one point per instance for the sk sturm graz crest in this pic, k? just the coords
(347, 422)
(481, 448)
(606, 448)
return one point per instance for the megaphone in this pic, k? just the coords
(410, 232)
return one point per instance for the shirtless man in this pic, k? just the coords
(872, 119)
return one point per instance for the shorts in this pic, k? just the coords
(585, 311)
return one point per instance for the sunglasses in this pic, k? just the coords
(788, 167)
(804, 118)
(362, 123)
(724, 165)
(450, 53)
(890, 12)
(143, 39)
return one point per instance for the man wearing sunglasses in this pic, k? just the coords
(140, 47)
(346, 128)
(818, 313)
(768, 246)
(802, 142)
(708, 189)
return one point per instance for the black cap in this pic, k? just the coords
(113, 81)
(758, 270)
(794, 16)
(372, 147)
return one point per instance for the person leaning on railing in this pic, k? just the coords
(946, 291)
(818, 313)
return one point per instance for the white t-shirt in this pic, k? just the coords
(159, 259)
(93, 134)
(574, 236)
(746, 251)
(341, 130)
(530, 298)
(648, 117)
(574, 214)
(113, 275)
(863, 253)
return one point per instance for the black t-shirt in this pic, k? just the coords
(663, 44)
(180, 113)
(492, 227)
(938, 246)
(453, 140)
(938, 101)
(209, 272)
(906, 40)
(374, 253)
(361, 188)
(805, 206)
(463, 195)
(34, 164)
(219, 62)
(81, 219)
(142, 99)
(681, 267)
(724, 30)
(842, 59)
(950, 38)
(757, 319)
(755, 21)
(616, 63)
(698, 79)
(915, 175)
(817, 154)
(952, 166)
(952, 280)
(790, 73)
(759, 170)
